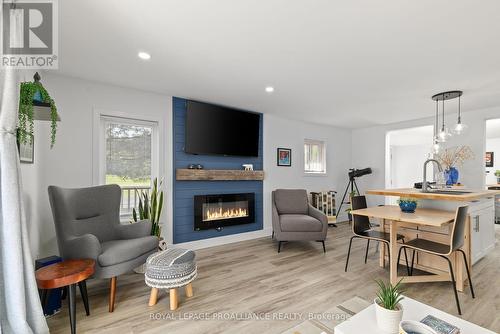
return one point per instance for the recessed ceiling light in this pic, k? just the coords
(269, 89)
(144, 55)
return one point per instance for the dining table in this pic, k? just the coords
(394, 217)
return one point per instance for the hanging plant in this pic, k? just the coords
(28, 90)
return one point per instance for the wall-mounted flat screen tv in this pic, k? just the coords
(212, 129)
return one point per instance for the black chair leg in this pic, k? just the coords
(399, 257)
(348, 253)
(272, 235)
(83, 291)
(406, 259)
(279, 246)
(72, 307)
(468, 273)
(45, 298)
(367, 247)
(454, 284)
(324, 248)
(412, 262)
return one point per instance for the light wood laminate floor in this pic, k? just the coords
(251, 276)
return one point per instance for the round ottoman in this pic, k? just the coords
(170, 269)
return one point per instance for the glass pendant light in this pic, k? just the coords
(459, 127)
(445, 133)
(435, 146)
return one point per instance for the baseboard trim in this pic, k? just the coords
(228, 239)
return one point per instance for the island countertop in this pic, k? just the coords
(473, 195)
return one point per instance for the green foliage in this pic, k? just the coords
(407, 200)
(497, 173)
(25, 127)
(389, 296)
(150, 207)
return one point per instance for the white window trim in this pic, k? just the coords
(98, 138)
(324, 144)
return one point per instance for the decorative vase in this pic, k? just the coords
(408, 207)
(451, 175)
(388, 320)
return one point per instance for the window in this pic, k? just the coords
(128, 157)
(314, 157)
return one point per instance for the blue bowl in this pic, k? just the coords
(408, 207)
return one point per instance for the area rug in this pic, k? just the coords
(337, 314)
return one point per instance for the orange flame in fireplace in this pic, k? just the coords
(215, 214)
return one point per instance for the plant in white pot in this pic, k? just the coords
(389, 311)
(497, 174)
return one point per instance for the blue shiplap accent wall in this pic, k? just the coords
(184, 191)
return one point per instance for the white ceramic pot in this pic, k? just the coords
(388, 320)
(410, 326)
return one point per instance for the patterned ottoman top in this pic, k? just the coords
(170, 268)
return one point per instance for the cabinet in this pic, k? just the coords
(482, 231)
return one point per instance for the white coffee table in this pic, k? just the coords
(365, 322)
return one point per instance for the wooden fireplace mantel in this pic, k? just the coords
(218, 175)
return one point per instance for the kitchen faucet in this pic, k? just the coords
(425, 185)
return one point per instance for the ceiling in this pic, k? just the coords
(350, 63)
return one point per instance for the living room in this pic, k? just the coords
(213, 170)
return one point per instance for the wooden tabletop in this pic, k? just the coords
(474, 195)
(430, 217)
(64, 273)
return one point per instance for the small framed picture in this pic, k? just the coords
(489, 159)
(284, 156)
(27, 151)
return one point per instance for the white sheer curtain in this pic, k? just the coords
(20, 309)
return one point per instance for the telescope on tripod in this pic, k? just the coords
(353, 174)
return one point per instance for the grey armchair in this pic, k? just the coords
(87, 222)
(295, 219)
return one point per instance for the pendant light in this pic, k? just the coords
(459, 127)
(435, 146)
(444, 134)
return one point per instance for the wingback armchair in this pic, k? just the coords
(295, 219)
(87, 222)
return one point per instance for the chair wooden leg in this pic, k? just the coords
(189, 290)
(112, 293)
(153, 297)
(174, 299)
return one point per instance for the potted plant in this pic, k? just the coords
(388, 310)
(407, 205)
(150, 207)
(497, 174)
(452, 157)
(29, 92)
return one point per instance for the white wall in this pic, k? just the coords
(279, 132)
(69, 163)
(493, 145)
(407, 162)
(369, 144)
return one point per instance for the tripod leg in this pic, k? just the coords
(356, 185)
(343, 198)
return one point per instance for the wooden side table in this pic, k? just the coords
(67, 273)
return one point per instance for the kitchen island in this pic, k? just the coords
(479, 234)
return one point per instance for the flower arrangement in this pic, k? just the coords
(455, 156)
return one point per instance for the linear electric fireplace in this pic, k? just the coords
(217, 211)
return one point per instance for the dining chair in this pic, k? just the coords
(362, 229)
(445, 250)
